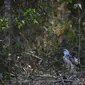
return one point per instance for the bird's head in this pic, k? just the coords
(66, 52)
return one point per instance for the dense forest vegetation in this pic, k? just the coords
(33, 34)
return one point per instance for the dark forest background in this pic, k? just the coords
(33, 34)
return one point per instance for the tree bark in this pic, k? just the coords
(8, 15)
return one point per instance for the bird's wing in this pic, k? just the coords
(71, 59)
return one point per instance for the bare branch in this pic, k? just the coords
(33, 55)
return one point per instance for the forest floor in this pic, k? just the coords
(47, 79)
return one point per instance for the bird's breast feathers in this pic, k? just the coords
(66, 60)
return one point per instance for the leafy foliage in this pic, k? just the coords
(39, 33)
(4, 23)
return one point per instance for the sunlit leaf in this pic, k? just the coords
(23, 21)
(19, 25)
(29, 11)
(78, 5)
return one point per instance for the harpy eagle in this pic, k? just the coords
(70, 61)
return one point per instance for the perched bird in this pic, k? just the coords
(70, 61)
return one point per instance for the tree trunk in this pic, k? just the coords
(8, 15)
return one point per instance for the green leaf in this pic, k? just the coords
(35, 21)
(17, 44)
(78, 5)
(37, 17)
(3, 23)
(19, 25)
(29, 11)
(1, 20)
